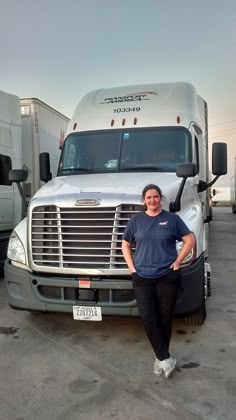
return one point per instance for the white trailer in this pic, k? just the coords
(221, 196)
(67, 255)
(10, 147)
(42, 130)
(27, 128)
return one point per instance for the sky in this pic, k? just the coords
(58, 50)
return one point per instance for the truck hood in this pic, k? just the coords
(118, 187)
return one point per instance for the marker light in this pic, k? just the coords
(112, 122)
(74, 126)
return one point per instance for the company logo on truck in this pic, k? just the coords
(133, 97)
(87, 202)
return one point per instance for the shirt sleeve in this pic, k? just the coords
(129, 232)
(181, 228)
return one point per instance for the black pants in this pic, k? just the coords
(156, 300)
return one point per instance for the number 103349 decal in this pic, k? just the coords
(129, 109)
(87, 313)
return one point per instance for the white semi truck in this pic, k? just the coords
(66, 255)
(27, 128)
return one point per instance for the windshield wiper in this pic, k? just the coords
(142, 168)
(76, 170)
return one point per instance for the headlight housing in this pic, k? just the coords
(15, 250)
(191, 255)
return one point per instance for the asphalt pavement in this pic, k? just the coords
(52, 367)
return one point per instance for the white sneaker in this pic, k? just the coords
(168, 366)
(157, 367)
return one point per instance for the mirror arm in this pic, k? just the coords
(24, 201)
(175, 205)
(202, 186)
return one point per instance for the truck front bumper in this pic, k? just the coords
(48, 293)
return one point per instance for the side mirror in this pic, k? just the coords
(219, 165)
(5, 167)
(18, 175)
(44, 167)
(186, 170)
(219, 159)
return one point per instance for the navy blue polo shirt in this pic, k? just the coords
(154, 238)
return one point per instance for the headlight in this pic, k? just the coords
(189, 257)
(15, 249)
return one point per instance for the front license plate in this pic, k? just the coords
(87, 313)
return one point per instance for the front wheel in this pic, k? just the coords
(234, 208)
(198, 317)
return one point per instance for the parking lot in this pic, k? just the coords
(53, 367)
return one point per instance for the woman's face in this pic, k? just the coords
(152, 200)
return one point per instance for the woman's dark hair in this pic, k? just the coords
(151, 187)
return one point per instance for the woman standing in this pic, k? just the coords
(155, 270)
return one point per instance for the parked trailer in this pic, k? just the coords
(221, 195)
(67, 254)
(42, 130)
(27, 128)
(10, 151)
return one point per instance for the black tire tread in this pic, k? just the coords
(198, 317)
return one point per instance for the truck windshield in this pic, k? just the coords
(156, 149)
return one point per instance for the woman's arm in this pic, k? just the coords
(126, 250)
(189, 243)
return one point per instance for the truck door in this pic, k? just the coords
(6, 192)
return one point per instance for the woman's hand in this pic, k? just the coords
(175, 265)
(188, 244)
(126, 250)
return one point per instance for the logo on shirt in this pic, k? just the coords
(163, 223)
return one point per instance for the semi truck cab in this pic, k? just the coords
(66, 255)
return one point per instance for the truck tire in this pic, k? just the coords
(234, 208)
(198, 317)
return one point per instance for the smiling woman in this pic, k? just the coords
(152, 200)
(155, 269)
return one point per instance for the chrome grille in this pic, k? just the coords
(80, 237)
